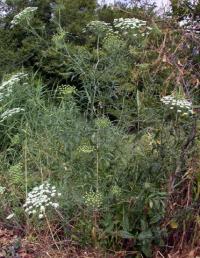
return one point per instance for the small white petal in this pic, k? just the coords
(55, 205)
(41, 216)
(10, 216)
(42, 209)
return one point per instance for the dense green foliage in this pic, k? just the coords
(90, 120)
(185, 7)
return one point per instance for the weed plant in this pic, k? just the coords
(102, 136)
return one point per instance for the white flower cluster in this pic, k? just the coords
(40, 198)
(121, 25)
(127, 23)
(182, 105)
(98, 27)
(23, 15)
(184, 22)
(6, 88)
(190, 25)
(132, 24)
(10, 112)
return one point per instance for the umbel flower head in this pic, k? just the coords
(127, 23)
(59, 36)
(103, 122)
(67, 90)
(190, 24)
(93, 200)
(131, 24)
(116, 190)
(10, 112)
(6, 87)
(41, 198)
(99, 28)
(86, 148)
(6, 90)
(24, 15)
(182, 105)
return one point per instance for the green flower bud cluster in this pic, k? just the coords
(112, 35)
(16, 173)
(102, 122)
(98, 27)
(93, 200)
(112, 43)
(15, 168)
(58, 36)
(86, 148)
(116, 190)
(67, 90)
(15, 140)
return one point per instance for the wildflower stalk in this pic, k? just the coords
(94, 229)
(41, 171)
(34, 32)
(97, 163)
(138, 109)
(98, 39)
(122, 111)
(95, 83)
(51, 232)
(25, 164)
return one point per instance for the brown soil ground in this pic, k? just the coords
(12, 245)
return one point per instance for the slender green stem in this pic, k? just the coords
(97, 163)
(25, 165)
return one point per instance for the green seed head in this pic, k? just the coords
(102, 122)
